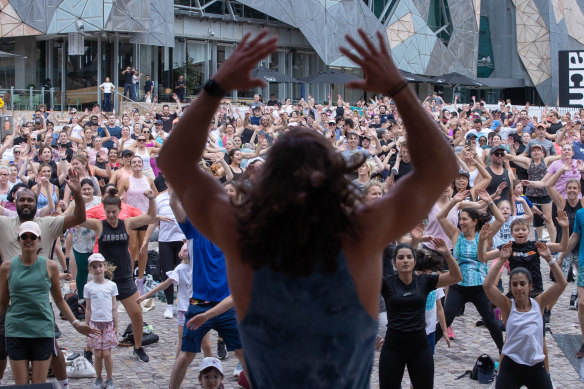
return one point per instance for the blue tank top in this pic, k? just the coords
(43, 200)
(307, 332)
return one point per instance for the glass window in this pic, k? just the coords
(440, 21)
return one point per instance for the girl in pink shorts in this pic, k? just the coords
(102, 314)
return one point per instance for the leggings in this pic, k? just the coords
(402, 349)
(457, 298)
(168, 261)
(82, 271)
(513, 375)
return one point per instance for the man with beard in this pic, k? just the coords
(51, 228)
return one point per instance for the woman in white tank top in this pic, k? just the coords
(132, 190)
(524, 352)
(143, 152)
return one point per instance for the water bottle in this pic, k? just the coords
(582, 369)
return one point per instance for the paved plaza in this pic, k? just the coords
(470, 342)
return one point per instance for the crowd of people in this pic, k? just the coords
(325, 231)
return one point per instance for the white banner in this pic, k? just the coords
(76, 43)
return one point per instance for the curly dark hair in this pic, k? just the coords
(294, 216)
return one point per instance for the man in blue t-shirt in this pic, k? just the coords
(209, 289)
(114, 130)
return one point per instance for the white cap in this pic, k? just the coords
(95, 257)
(208, 362)
(31, 227)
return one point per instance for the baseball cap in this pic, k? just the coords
(496, 124)
(127, 152)
(497, 148)
(472, 135)
(464, 173)
(38, 121)
(95, 257)
(208, 362)
(332, 122)
(158, 122)
(31, 227)
(538, 147)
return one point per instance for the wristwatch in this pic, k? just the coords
(214, 89)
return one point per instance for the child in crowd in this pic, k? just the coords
(428, 263)
(211, 373)
(182, 278)
(102, 314)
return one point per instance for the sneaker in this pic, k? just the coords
(238, 369)
(140, 285)
(109, 384)
(98, 384)
(168, 313)
(450, 333)
(141, 354)
(580, 353)
(88, 355)
(574, 302)
(547, 314)
(221, 350)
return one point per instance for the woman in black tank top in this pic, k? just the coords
(113, 241)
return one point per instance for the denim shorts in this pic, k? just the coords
(225, 324)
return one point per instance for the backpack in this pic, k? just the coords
(483, 362)
(78, 310)
(153, 265)
(148, 337)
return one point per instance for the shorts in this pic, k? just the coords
(108, 338)
(540, 200)
(225, 324)
(30, 349)
(580, 281)
(3, 353)
(126, 288)
(180, 318)
(143, 228)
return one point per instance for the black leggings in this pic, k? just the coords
(402, 349)
(169, 259)
(457, 298)
(513, 375)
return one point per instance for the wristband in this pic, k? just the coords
(553, 261)
(398, 88)
(75, 322)
(214, 89)
(491, 203)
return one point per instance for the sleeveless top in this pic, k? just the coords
(145, 158)
(43, 201)
(135, 193)
(571, 212)
(307, 332)
(536, 172)
(472, 177)
(496, 181)
(29, 314)
(113, 245)
(524, 344)
(466, 255)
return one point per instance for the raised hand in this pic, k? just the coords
(506, 251)
(381, 74)
(485, 232)
(73, 181)
(562, 218)
(440, 246)
(234, 74)
(460, 196)
(484, 195)
(418, 231)
(543, 250)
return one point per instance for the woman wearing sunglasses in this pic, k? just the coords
(25, 283)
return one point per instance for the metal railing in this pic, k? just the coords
(29, 99)
(120, 101)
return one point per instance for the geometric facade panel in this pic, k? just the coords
(147, 21)
(533, 41)
(323, 23)
(401, 30)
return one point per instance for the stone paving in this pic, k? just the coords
(470, 342)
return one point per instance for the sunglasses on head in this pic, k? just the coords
(28, 236)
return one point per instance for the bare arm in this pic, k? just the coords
(453, 275)
(403, 201)
(490, 283)
(555, 290)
